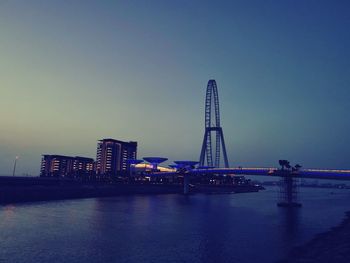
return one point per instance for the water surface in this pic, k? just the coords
(238, 228)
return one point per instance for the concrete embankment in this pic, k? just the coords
(331, 246)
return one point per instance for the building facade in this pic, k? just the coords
(66, 166)
(112, 156)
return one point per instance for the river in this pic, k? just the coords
(206, 228)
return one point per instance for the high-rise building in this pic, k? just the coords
(112, 155)
(83, 166)
(66, 166)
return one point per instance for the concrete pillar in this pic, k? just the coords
(186, 184)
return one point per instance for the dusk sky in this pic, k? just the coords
(74, 72)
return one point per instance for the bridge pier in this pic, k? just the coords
(186, 183)
(288, 190)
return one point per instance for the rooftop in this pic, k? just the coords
(115, 141)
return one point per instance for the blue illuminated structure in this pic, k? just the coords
(205, 167)
(207, 151)
(186, 164)
(155, 161)
(173, 166)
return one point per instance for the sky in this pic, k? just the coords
(74, 72)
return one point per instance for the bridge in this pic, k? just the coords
(212, 124)
(287, 187)
(304, 173)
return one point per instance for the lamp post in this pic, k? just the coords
(14, 166)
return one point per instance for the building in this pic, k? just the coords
(83, 166)
(112, 156)
(66, 166)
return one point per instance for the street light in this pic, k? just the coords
(14, 165)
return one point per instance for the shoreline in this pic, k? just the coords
(330, 246)
(32, 193)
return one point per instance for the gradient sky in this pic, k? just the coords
(73, 72)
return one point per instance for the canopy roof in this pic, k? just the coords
(134, 161)
(186, 163)
(155, 159)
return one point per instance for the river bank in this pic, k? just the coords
(15, 190)
(331, 246)
(16, 194)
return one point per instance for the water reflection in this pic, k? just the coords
(290, 228)
(7, 213)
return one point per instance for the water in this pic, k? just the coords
(166, 228)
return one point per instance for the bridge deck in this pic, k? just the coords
(304, 173)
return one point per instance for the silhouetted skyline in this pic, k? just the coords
(74, 72)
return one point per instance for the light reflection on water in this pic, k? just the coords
(166, 228)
